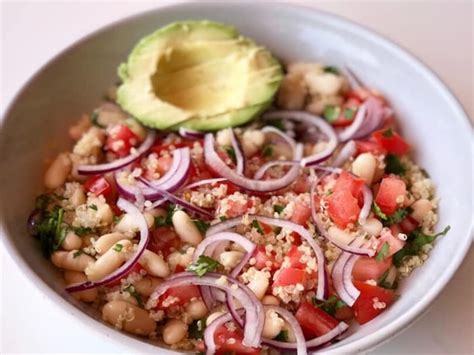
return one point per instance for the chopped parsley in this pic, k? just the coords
(118, 247)
(378, 212)
(201, 225)
(203, 265)
(42, 201)
(77, 253)
(196, 329)
(49, 229)
(388, 133)
(133, 292)
(349, 113)
(257, 226)
(115, 219)
(93, 207)
(282, 336)
(330, 69)
(382, 282)
(277, 124)
(231, 153)
(267, 151)
(81, 231)
(383, 253)
(416, 240)
(395, 218)
(331, 305)
(278, 208)
(331, 113)
(165, 221)
(393, 165)
(223, 218)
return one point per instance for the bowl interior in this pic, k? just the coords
(34, 129)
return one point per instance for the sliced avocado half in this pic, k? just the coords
(198, 74)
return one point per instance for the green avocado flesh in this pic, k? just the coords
(197, 74)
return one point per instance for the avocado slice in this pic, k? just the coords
(197, 74)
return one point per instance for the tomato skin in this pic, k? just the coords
(391, 141)
(343, 208)
(366, 268)
(289, 276)
(363, 146)
(314, 320)
(262, 258)
(121, 133)
(221, 336)
(301, 213)
(391, 188)
(164, 240)
(98, 185)
(346, 181)
(184, 294)
(364, 310)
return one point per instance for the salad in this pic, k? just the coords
(220, 202)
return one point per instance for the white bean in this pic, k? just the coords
(293, 91)
(110, 261)
(71, 241)
(340, 235)
(129, 317)
(58, 172)
(77, 198)
(128, 224)
(107, 241)
(147, 285)
(372, 226)
(421, 208)
(364, 167)
(67, 261)
(259, 284)
(223, 137)
(154, 264)
(104, 213)
(177, 258)
(273, 324)
(271, 300)
(187, 231)
(230, 259)
(73, 277)
(174, 331)
(252, 142)
(326, 84)
(196, 309)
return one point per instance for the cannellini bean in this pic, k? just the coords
(128, 224)
(252, 141)
(146, 285)
(259, 284)
(187, 231)
(104, 213)
(66, 260)
(174, 331)
(230, 259)
(213, 316)
(71, 241)
(196, 309)
(421, 208)
(364, 167)
(316, 104)
(81, 127)
(340, 235)
(177, 258)
(107, 241)
(271, 300)
(110, 261)
(372, 226)
(73, 277)
(154, 264)
(293, 91)
(273, 324)
(223, 137)
(324, 83)
(58, 172)
(77, 198)
(129, 317)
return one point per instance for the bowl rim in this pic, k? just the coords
(385, 332)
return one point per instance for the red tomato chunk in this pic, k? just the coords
(367, 306)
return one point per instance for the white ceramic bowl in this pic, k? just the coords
(36, 123)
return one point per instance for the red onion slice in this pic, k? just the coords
(323, 232)
(119, 163)
(239, 156)
(211, 329)
(313, 120)
(348, 132)
(216, 163)
(203, 182)
(190, 133)
(368, 198)
(322, 289)
(264, 168)
(140, 221)
(347, 151)
(374, 119)
(254, 316)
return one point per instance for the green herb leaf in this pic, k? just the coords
(196, 329)
(257, 226)
(331, 113)
(93, 207)
(267, 151)
(203, 265)
(118, 247)
(81, 231)
(397, 216)
(331, 305)
(282, 336)
(330, 69)
(378, 212)
(202, 226)
(277, 124)
(166, 221)
(349, 113)
(133, 292)
(231, 153)
(388, 133)
(383, 253)
(77, 253)
(393, 165)
(278, 208)
(42, 201)
(222, 218)
(49, 229)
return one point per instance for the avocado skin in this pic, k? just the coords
(136, 94)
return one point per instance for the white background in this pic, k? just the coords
(439, 33)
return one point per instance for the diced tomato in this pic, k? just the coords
(98, 185)
(364, 310)
(314, 320)
(164, 240)
(164, 164)
(295, 255)
(301, 185)
(158, 147)
(391, 141)
(136, 268)
(366, 268)
(344, 313)
(348, 112)
(395, 244)
(184, 294)
(369, 147)
(221, 337)
(346, 181)
(343, 208)
(392, 190)
(408, 224)
(238, 208)
(301, 213)
(289, 276)
(121, 139)
(262, 259)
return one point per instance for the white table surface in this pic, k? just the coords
(439, 33)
